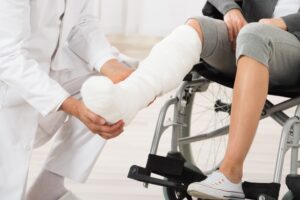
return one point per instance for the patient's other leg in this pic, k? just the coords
(163, 70)
(249, 96)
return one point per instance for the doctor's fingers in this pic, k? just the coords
(108, 136)
(94, 118)
(110, 129)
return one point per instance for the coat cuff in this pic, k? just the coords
(56, 103)
(102, 60)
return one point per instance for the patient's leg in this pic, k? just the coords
(249, 96)
(163, 70)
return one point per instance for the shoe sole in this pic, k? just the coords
(204, 196)
(212, 194)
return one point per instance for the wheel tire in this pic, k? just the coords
(171, 194)
(186, 131)
(288, 196)
(198, 102)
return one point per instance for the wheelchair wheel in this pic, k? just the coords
(170, 194)
(205, 113)
(173, 194)
(289, 196)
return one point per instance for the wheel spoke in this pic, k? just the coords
(207, 116)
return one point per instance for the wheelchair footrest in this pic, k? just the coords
(165, 166)
(174, 167)
(143, 175)
(293, 183)
(261, 190)
(176, 172)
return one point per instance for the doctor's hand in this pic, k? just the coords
(235, 21)
(278, 22)
(93, 122)
(115, 70)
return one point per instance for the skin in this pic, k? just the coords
(277, 22)
(235, 21)
(249, 96)
(247, 104)
(117, 72)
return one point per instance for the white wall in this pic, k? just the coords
(146, 17)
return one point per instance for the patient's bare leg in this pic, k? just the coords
(249, 96)
(163, 70)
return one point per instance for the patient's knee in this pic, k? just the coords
(253, 42)
(256, 29)
(255, 37)
(195, 25)
(255, 34)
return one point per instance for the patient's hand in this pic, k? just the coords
(115, 70)
(235, 21)
(278, 22)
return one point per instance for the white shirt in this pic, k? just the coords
(286, 7)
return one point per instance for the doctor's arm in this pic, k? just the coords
(88, 41)
(25, 76)
(18, 72)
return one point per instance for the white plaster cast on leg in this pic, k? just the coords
(163, 70)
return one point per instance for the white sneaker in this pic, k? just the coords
(69, 196)
(216, 186)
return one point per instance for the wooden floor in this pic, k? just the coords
(108, 180)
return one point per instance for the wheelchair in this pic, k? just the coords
(204, 99)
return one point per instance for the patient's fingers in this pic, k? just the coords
(234, 20)
(230, 32)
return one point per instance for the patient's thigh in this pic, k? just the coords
(217, 49)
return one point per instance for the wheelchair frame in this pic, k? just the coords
(182, 103)
(289, 137)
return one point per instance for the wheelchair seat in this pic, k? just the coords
(214, 75)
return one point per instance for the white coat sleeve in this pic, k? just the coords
(18, 72)
(88, 41)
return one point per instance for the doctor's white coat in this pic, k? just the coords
(37, 73)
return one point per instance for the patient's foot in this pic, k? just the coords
(99, 95)
(216, 186)
(111, 101)
(163, 70)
